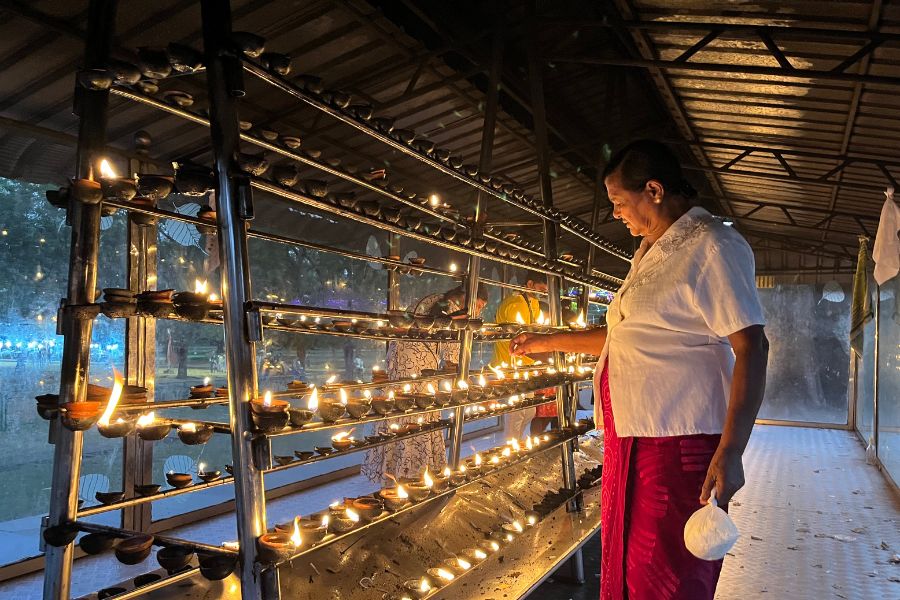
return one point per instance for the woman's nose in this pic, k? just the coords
(617, 214)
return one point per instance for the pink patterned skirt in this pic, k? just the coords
(650, 487)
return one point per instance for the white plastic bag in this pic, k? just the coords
(710, 532)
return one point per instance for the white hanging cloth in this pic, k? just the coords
(886, 252)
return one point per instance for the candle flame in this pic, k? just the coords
(445, 574)
(426, 478)
(519, 319)
(313, 403)
(113, 399)
(331, 380)
(352, 515)
(424, 586)
(401, 493)
(296, 539)
(200, 286)
(189, 427)
(463, 564)
(343, 394)
(146, 420)
(106, 169)
(431, 389)
(267, 399)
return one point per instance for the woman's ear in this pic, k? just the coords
(655, 191)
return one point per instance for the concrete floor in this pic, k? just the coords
(816, 522)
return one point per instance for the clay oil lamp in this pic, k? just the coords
(383, 405)
(420, 490)
(442, 397)
(179, 480)
(461, 394)
(459, 476)
(275, 547)
(314, 530)
(474, 555)
(342, 441)
(216, 567)
(147, 489)
(426, 400)
(440, 576)
(156, 303)
(207, 475)
(174, 558)
(361, 406)
(146, 579)
(47, 406)
(148, 428)
(368, 507)
(392, 431)
(324, 450)
(79, 416)
(301, 416)
(457, 565)
(116, 188)
(532, 517)
(95, 543)
(515, 528)
(343, 521)
(474, 465)
(412, 427)
(154, 187)
(394, 498)
(304, 454)
(440, 481)
(106, 498)
(269, 415)
(135, 549)
(193, 305)
(193, 434)
(120, 427)
(332, 409)
(418, 588)
(406, 400)
(203, 390)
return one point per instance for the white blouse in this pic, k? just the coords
(670, 362)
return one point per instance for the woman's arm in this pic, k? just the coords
(748, 385)
(589, 341)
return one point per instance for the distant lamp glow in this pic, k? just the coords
(434, 200)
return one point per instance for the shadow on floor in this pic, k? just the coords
(562, 589)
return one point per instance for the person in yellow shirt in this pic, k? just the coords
(527, 306)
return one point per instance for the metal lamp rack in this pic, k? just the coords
(243, 317)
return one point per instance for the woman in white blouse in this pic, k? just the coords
(684, 367)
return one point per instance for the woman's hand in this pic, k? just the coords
(529, 343)
(726, 473)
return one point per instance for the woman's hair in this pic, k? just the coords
(460, 292)
(643, 160)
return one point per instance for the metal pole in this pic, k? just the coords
(91, 107)
(876, 371)
(551, 232)
(474, 266)
(223, 76)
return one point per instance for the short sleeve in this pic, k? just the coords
(725, 292)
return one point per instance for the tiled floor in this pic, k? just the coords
(816, 522)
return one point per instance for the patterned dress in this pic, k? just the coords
(409, 457)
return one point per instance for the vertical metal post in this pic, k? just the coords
(877, 367)
(551, 233)
(91, 107)
(393, 297)
(474, 262)
(223, 76)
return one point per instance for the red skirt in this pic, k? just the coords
(650, 487)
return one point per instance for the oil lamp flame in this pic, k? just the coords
(426, 478)
(206, 381)
(106, 169)
(343, 394)
(463, 564)
(445, 574)
(431, 389)
(495, 460)
(481, 380)
(532, 519)
(434, 200)
(494, 546)
(146, 420)
(325, 520)
(477, 459)
(339, 436)
(213, 297)
(447, 472)
(401, 493)
(200, 286)
(424, 586)
(391, 394)
(528, 444)
(448, 387)
(113, 399)
(296, 539)
(189, 427)
(480, 554)
(580, 320)
(331, 380)
(367, 394)
(515, 445)
(201, 467)
(541, 320)
(352, 515)
(313, 403)
(506, 452)
(267, 399)
(461, 384)
(519, 319)
(517, 526)
(406, 388)
(498, 372)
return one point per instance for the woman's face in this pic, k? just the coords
(638, 210)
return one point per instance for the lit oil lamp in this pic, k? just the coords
(458, 477)
(428, 399)
(440, 576)
(274, 547)
(474, 555)
(394, 498)
(383, 405)
(269, 415)
(440, 481)
(79, 416)
(118, 188)
(473, 466)
(458, 565)
(332, 409)
(301, 416)
(193, 434)
(342, 440)
(313, 530)
(489, 546)
(514, 528)
(461, 394)
(528, 444)
(368, 507)
(343, 521)
(442, 397)
(202, 391)
(360, 406)
(215, 303)
(207, 475)
(405, 400)
(120, 427)
(417, 588)
(193, 305)
(531, 518)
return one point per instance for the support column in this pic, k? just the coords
(551, 233)
(474, 262)
(91, 107)
(223, 76)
